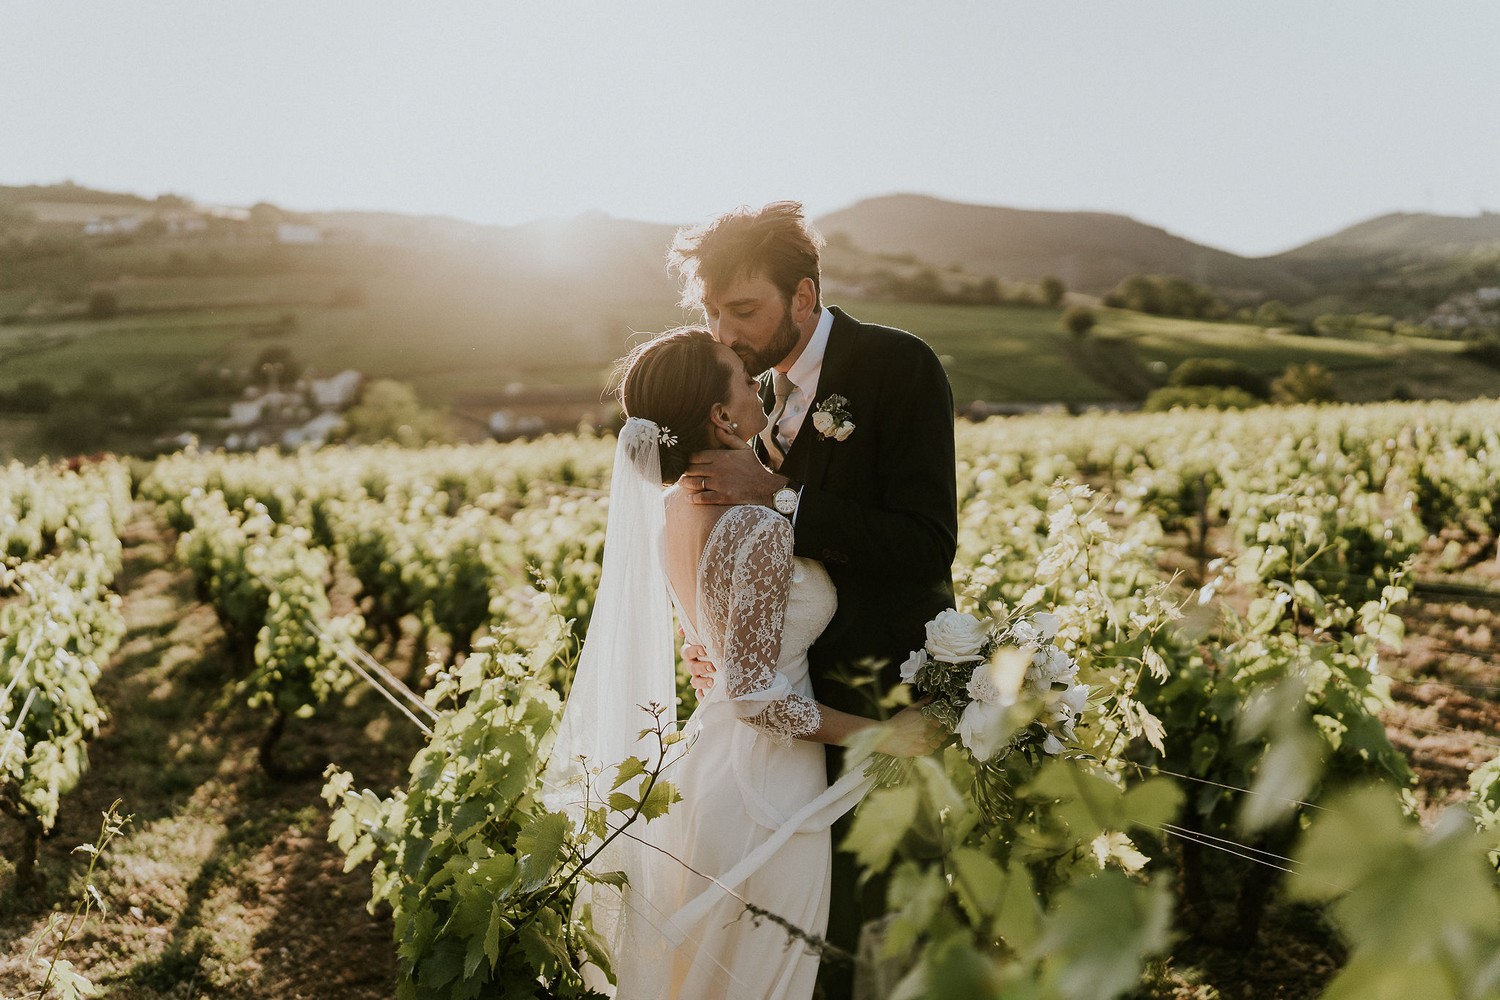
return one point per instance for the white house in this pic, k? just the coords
(252, 410)
(336, 392)
(292, 232)
(315, 432)
(108, 225)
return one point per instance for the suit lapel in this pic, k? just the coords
(811, 452)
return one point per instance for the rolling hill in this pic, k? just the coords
(1089, 251)
(1405, 236)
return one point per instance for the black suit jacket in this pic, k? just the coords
(878, 509)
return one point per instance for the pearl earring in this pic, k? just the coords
(733, 426)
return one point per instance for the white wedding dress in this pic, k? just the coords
(753, 823)
(753, 826)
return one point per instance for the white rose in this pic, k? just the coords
(1060, 666)
(1046, 625)
(1023, 633)
(823, 422)
(956, 637)
(1076, 698)
(982, 729)
(916, 661)
(843, 432)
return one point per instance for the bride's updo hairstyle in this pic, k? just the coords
(674, 380)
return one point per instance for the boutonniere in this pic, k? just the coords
(831, 418)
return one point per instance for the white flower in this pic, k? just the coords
(982, 686)
(844, 431)
(916, 661)
(1039, 628)
(998, 680)
(1076, 698)
(1023, 633)
(982, 729)
(823, 422)
(1052, 745)
(956, 637)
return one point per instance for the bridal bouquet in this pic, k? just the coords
(998, 685)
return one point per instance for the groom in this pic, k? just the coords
(858, 455)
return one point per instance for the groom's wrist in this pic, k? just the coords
(786, 497)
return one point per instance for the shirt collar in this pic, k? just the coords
(810, 363)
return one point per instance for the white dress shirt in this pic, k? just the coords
(804, 374)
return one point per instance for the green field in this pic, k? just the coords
(1011, 353)
(451, 326)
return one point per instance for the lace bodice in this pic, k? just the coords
(759, 610)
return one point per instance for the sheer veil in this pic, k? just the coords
(628, 661)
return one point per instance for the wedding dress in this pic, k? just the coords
(747, 777)
(753, 823)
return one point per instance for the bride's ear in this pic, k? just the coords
(725, 433)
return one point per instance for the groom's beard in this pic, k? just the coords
(786, 337)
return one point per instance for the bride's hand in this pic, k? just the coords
(909, 733)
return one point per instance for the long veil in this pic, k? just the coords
(628, 661)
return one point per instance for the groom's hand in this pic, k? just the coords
(702, 671)
(730, 476)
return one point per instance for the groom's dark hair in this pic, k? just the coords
(674, 380)
(774, 242)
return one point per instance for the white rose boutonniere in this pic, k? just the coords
(831, 418)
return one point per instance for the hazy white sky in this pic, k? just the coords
(1248, 126)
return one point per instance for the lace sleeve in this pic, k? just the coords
(748, 577)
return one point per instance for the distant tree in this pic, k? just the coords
(1272, 312)
(1199, 396)
(1486, 351)
(277, 366)
(1221, 373)
(212, 383)
(103, 304)
(1166, 295)
(924, 286)
(1053, 290)
(1305, 383)
(33, 395)
(263, 213)
(987, 292)
(390, 411)
(1078, 321)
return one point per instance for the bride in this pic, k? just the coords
(753, 824)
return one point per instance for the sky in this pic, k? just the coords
(1253, 127)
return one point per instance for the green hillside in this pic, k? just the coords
(1089, 251)
(174, 315)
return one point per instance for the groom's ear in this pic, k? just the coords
(804, 300)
